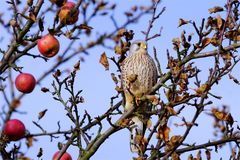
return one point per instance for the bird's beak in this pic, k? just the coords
(143, 45)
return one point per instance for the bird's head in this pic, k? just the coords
(139, 45)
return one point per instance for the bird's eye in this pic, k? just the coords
(139, 44)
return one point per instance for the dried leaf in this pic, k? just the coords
(171, 110)
(59, 3)
(219, 115)
(222, 128)
(139, 138)
(113, 6)
(128, 14)
(169, 94)
(139, 158)
(91, 44)
(141, 142)
(233, 35)
(220, 22)
(176, 43)
(190, 37)
(184, 42)
(30, 2)
(118, 50)
(129, 35)
(223, 116)
(230, 23)
(235, 80)
(23, 157)
(183, 81)
(40, 153)
(121, 32)
(104, 61)
(44, 89)
(163, 133)
(230, 119)
(149, 124)
(29, 142)
(226, 56)
(32, 16)
(215, 41)
(77, 66)
(57, 73)
(209, 22)
(81, 99)
(15, 103)
(199, 156)
(215, 9)
(153, 99)
(208, 154)
(116, 38)
(40, 24)
(174, 140)
(175, 156)
(179, 98)
(60, 145)
(175, 71)
(68, 35)
(118, 89)
(134, 8)
(101, 5)
(206, 41)
(85, 27)
(41, 114)
(13, 23)
(124, 122)
(202, 89)
(182, 22)
(190, 157)
(114, 78)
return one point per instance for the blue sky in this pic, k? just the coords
(98, 87)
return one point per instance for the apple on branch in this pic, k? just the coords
(48, 46)
(67, 14)
(25, 82)
(65, 156)
(14, 129)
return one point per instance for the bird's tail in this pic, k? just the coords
(136, 129)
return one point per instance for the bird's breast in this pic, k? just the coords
(143, 66)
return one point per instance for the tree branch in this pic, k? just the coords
(203, 146)
(105, 135)
(5, 60)
(190, 57)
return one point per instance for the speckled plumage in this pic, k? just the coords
(141, 64)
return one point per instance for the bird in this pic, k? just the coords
(138, 76)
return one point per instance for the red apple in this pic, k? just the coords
(59, 3)
(25, 82)
(65, 156)
(48, 46)
(67, 15)
(14, 129)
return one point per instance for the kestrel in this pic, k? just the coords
(138, 76)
